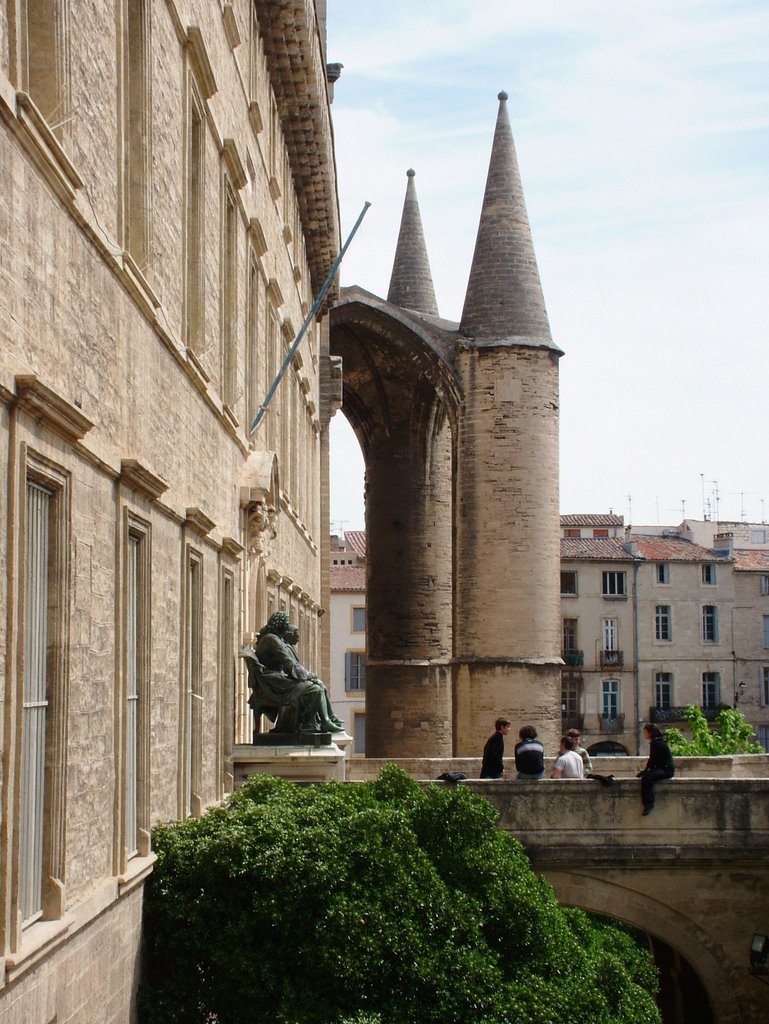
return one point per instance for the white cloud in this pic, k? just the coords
(642, 131)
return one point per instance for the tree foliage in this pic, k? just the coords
(731, 735)
(375, 903)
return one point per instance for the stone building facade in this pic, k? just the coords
(347, 628)
(653, 621)
(167, 212)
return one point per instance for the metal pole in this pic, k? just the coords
(308, 320)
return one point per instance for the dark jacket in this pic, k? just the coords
(660, 758)
(493, 753)
(530, 757)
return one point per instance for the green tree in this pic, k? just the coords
(372, 903)
(731, 735)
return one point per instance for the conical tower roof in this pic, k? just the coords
(411, 283)
(504, 300)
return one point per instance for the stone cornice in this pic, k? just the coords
(53, 410)
(199, 521)
(141, 479)
(297, 70)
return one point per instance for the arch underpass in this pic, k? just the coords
(693, 874)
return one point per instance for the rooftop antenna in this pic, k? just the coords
(702, 482)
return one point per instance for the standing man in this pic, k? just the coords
(587, 764)
(568, 764)
(492, 766)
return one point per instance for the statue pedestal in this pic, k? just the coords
(298, 762)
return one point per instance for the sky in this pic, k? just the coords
(642, 134)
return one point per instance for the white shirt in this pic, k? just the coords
(570, 764)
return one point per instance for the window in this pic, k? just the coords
(229, 294)
(572, 531)
(710, 690)
(663, 682)
(611, 698)
(764, 686)
(194, 228)
(359, 620)
(355, 671)
(709, 574)
(359, 733)
(569, 583)
(46, 58)
(759, 536)
(136, 780)
(137, 160)
(227, 672)
(43, 699)
(253, 301)
(603, 532)
(764, 585)
(569, 639)
(763, 736)
(662, 627)
(570, 693)
(193, 680)
(710, 624)
(766, 630)
(614, 584)
(609, 634)
(662, 572)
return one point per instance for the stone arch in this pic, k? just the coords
(642, 911)
(402, 399)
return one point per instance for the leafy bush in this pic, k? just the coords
(376, 903)
(731, 735)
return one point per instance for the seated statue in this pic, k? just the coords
(282, 687)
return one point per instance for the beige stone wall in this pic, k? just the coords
(506, 626)
(98, 386)
(90, 979)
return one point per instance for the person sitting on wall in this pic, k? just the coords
(568, 764)
(492, 766)
(529, 755)
(288, 683)
(659, 766)
(587, 764)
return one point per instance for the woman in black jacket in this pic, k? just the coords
(659, 766)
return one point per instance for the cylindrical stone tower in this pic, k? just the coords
(506, 623)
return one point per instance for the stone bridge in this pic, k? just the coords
(694, 874)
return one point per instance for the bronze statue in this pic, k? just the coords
(282, 688)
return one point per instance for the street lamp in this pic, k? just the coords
(739, 691)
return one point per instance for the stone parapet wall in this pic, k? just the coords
(740, 766)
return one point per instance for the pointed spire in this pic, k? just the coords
(504, 299)
(411, 283)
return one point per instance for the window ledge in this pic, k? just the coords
(37, 940)
(137, 870)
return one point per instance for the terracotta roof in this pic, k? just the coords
(348, 577)
(598, 549)
(593, 520)
(675, 549)
(356, 541)
(751, 561)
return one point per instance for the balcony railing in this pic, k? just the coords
(573, 658)
(572, 722)
(611, 658)
(616, 724)
(679, 714)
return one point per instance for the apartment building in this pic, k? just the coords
(653, 621)
(347, 612)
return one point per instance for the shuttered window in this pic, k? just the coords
(35, 699)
